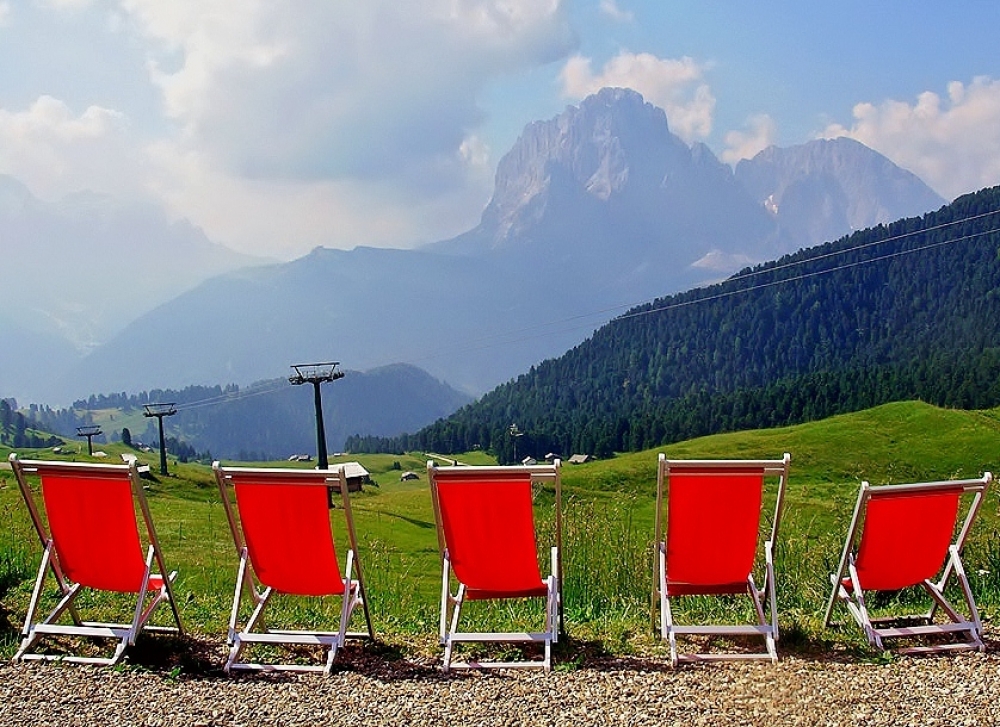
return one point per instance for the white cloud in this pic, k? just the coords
(291, 125)
(951, 143)
(337, 123)
(333, 90)
(675, 85)
(475, 152)
(55, 151)
(67, 4)
(717, 261)
(4, 13)
(286, 218)
(748, 143)
(610, 9)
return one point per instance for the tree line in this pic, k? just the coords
(23, 430)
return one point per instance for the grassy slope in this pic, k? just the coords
(608, 523)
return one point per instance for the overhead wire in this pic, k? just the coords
(267, 387)
(803, 276)
(523, 334)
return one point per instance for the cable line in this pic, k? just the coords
(521, 335)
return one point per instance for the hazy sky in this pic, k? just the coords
(279, 126)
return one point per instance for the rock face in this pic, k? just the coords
(608, 178)
(612, 144)
(609, 182)
(828, 187)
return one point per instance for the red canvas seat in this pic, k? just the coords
(284, 539)
(711, 544)
(903, 536)
(91, 539)
(486, 532)
(280, 523)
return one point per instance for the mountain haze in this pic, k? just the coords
(77, 271)
(608, 187)
(594, 210)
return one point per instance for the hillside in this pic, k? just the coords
(903, 311)
(609, 512)
(898, 442)
(272, 419)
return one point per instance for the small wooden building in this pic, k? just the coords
(356, 475)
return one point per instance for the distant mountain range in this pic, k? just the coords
(264, 421)
(822, 190)
(274, 419)
(594, 210)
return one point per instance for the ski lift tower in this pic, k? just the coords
(316, 374)
(89, 432)
(514, 434)
(159, 411)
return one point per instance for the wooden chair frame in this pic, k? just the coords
(764, 597)
(452, 601)
(847, 588)
(248, 580)
(153, 589)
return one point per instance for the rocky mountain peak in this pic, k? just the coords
(611, 140)
(826, 187)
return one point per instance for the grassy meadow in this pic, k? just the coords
(608, 531)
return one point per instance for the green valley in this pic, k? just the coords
(608, 508)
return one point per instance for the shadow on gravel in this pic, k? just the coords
(202, 658)
(195, 657)
(188, 655)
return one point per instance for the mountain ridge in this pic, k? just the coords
(802, 184)
(620, 211)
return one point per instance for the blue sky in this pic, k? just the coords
(277, 127)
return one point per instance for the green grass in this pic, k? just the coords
(608, 530)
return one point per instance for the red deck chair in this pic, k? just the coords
(284, 539)
(90, 539)
(903, 536)
(486, 533)
(713, 533)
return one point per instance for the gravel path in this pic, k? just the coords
(380, 688)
